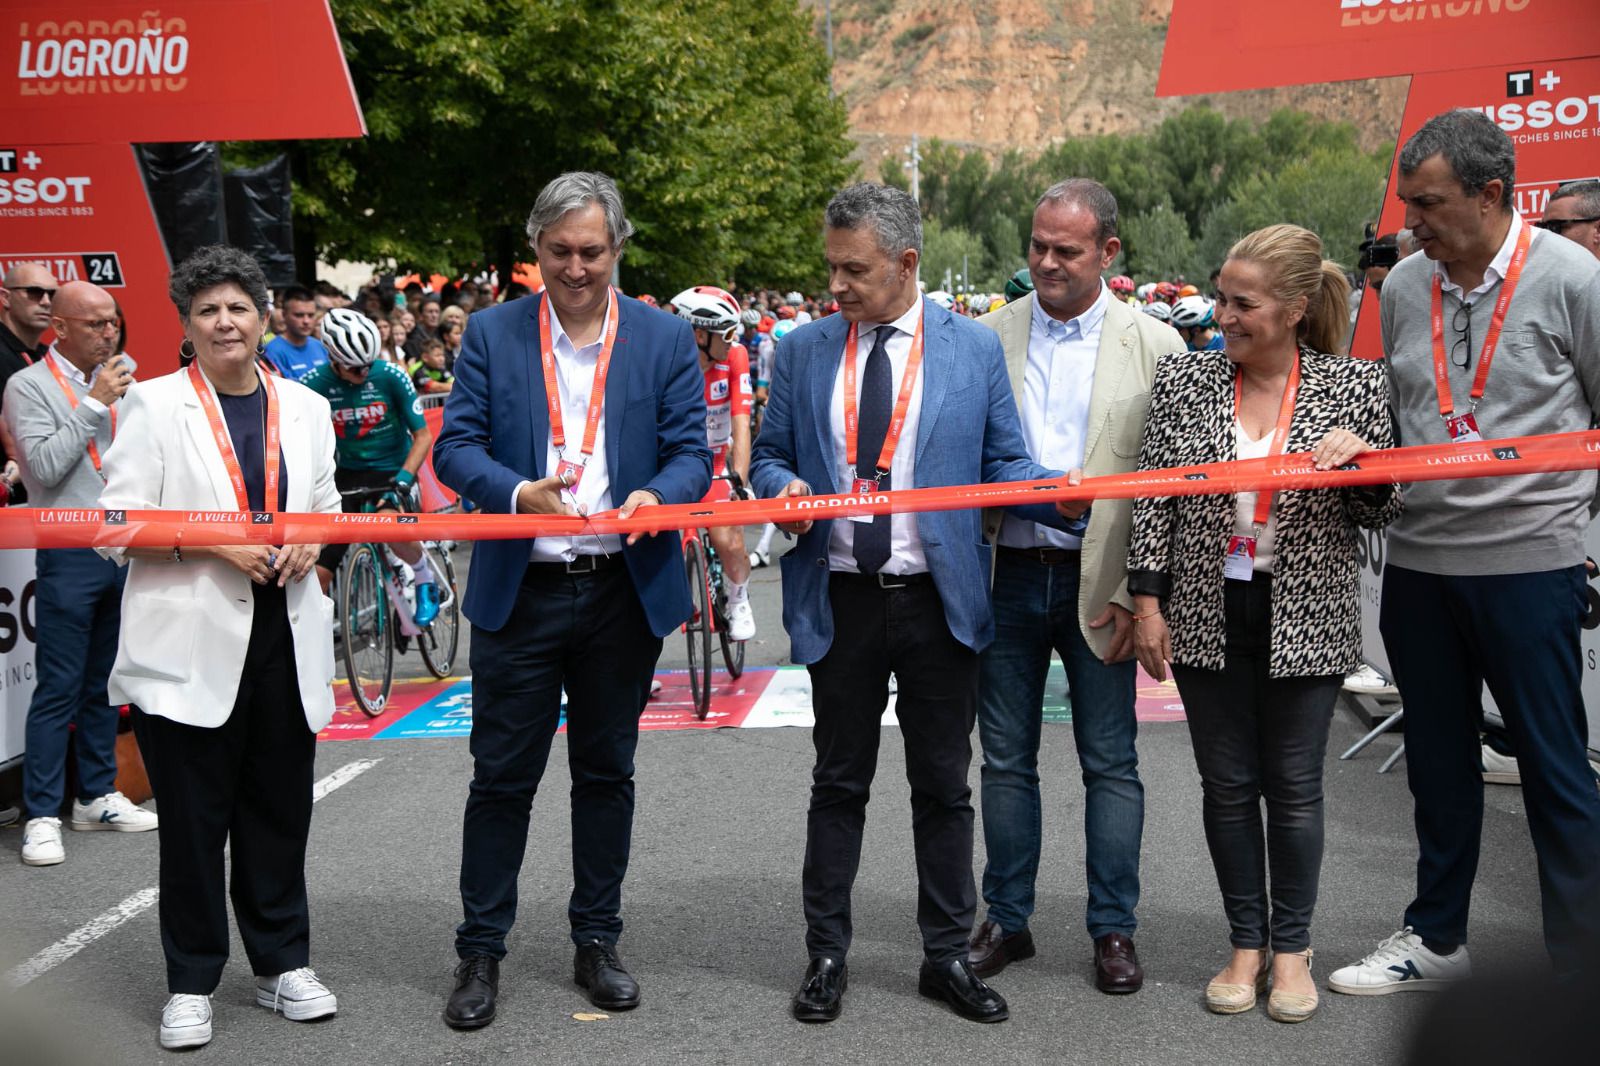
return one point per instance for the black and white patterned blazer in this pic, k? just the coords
(1179, 542)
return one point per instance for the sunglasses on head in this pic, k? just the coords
(36, 293)
(1559, 225)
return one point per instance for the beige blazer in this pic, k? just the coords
(1130, 344)
(185, 626)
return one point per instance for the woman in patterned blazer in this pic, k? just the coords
(1254, 601)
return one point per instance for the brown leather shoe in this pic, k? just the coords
(990, 950)
(1116, 965)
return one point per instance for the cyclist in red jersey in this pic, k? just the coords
(714, 314)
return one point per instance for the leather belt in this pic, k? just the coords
(1042, 556)
(578, 566)
(885, 581)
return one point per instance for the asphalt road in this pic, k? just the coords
(714, 926)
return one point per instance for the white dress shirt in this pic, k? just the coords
(1056, 384)
(1496, 271)
(905, 545)
(575, 381)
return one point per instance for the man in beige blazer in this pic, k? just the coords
(1080, 364)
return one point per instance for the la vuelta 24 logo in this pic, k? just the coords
(1374, 12)
(78, 56)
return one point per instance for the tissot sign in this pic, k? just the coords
(98, 70)
(1269, 43)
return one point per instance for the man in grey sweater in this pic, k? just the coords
(60, 413)
(1485, 578)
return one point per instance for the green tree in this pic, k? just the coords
(472, 105)
(958, 252)
(1157, 245)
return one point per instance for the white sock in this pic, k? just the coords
(423, 570)
(766, 538)
(738, 593)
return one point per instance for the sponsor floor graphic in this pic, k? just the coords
(762, 698)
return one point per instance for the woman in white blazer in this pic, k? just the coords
(226, 652)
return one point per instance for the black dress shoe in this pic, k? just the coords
(598, 971)
(990, 950)
(1116, 965)
(471, 1005)
(956, 984)
(821, 994)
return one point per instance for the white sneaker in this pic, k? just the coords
(655, 687)
(41, 842)
(1500, 769)
(186, 1021)
(1402, 964)
(1367, 681)
(298, 994)
(115, 812)
(741, 621)
(759, 559)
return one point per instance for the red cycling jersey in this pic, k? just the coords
(727, 395)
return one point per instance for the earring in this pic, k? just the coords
(186, 350)
(261, 349)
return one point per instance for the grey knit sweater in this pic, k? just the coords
(1545, 379)
(52, 439)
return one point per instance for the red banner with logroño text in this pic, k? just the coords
(77, 71)
(1551, 111)
(1224, 45)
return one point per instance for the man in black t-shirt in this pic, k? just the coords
(26, 294)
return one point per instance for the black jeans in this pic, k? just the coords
(1258, 737)
(587, 633)
(902, 631)
(245, 784)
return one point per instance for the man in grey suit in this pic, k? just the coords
(906, 594)
(1080, 364)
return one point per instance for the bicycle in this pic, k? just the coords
(374, 614)
(709, 593)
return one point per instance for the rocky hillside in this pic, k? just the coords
(1000, 74)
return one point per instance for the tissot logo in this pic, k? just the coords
(116, 518)
(1519, 83)
(1506, 453)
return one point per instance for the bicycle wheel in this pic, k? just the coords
(698, 629)
(732, 650)
(368, 638)
(438, 642)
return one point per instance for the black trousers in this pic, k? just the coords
(1260, 738)
(245, 785)
(902, 631)
(588, 633)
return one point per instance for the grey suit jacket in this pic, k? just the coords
(1130, 344)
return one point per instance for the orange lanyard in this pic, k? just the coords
(219, 432)
(1280, 435)
(1441, 368)
(72, 401)
(597, 393)
(852, 421)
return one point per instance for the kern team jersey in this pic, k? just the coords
(727, 395)
(373, 422)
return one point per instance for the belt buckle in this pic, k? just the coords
(583, 564)
(891, 581)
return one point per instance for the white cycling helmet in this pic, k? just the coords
(1145, 292)
(1159, 310)
(709, 308)
(943, 299)
(351, 338)
(1192, 311)
(751, 318)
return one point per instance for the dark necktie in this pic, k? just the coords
(877, 399)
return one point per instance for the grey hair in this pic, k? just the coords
(1089, 195)
(891, 212)
(1477, 150)
(217, 264)
(1587, 190)
(574, 190)
(1405, 241)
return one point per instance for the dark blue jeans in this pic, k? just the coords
(1036, 610)
(1519, 633)
(78, 607)
(587, 633)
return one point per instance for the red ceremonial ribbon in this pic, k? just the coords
(902, 404)
(219, 433)
(1441, 366)
(87, 528)
(597, 394)
(1279, 435)
(72, 401)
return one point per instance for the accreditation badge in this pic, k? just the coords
(863, 486)
(1240, 565)
(570, 473)
(1463, 429)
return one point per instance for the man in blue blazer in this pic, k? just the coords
(908, 594)
(569, 402)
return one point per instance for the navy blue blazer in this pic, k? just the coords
(969, 432)
(497, 430)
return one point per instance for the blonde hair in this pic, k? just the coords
(1292, 258)
(454, 313)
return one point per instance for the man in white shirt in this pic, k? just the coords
(1081, 364)
(60, 413)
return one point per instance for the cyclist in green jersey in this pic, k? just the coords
(380, 437)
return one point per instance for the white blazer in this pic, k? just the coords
(185, 626)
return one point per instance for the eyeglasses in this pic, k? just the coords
(37, 293)
(1461, 322)
(1559, 225)
(97, 325)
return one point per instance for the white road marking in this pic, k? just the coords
(143, 900)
